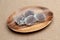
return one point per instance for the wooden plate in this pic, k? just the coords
(38, 26)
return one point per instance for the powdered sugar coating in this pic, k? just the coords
(40, 17)
(29, 18)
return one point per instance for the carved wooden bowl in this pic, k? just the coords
(27, 29)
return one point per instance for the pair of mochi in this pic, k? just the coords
(29, 18)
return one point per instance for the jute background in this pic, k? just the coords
(52, 32)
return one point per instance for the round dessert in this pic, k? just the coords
(30, 19)
(40, 17)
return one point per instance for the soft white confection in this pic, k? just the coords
(27, 13)
(30, 20)
(19, 20)
(40, 17)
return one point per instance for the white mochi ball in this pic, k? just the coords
(30, 20)
(40, 17)
(19, 20)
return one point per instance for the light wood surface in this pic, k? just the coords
(50, 33)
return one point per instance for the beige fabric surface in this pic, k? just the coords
(52, 32)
